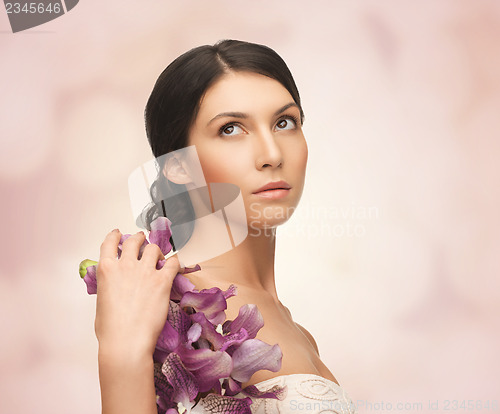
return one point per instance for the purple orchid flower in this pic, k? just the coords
(198, 351)
(218, 404)
(212, 302)
(185, 387)
(211, 356)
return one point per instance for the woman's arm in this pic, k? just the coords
(132, 305)
(127, 383)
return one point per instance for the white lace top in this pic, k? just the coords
(306, 393)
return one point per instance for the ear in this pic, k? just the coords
(176, 171)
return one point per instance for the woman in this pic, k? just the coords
(238, 104)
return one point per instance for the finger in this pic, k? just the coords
(171, 266)
(109, 247)
(131, 246)
(151, 255)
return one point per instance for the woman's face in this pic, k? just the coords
(248, 133)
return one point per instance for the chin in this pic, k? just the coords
(262, 216)
(266, 225)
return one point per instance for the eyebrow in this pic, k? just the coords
(244, 116)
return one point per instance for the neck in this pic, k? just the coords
(250, 264)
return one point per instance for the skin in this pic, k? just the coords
(132, 296)
(131, 308)
(251, 152)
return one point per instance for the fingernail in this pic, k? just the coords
(115, 231)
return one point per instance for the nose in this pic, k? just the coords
(268, 152)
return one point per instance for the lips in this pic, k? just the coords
(276, 185)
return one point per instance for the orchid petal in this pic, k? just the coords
(203, 344)
(209, 301)
(160, 234)
(217, 388)
(191, 269)
(249, 318)
(178, 319)
(168, 340)
(123, 237)
(236, 338)
(231, 386)
(90, 280)
(160, 356)
(120, 243)
(164, 390)
(206, 365)
(221, 404)
(160, 264)
(254, 355)
(180, 285)
(182, 381)
(231, 291)
(194, 332)
(276, 392)
(208, 331)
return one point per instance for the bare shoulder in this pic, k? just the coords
(309, 336)
(305, 332)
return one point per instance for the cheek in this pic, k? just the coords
(213, 173)
(218, 168)
(305, 154)
(298, 154)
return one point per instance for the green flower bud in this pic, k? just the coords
(83, 266)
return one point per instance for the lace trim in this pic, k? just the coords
(306, 393)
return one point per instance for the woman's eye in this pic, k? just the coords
(286, 123)
(230, 130)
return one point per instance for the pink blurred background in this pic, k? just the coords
(392, 261)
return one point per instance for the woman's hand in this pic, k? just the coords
(132, 296)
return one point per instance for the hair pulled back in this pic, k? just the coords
(174, 104)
